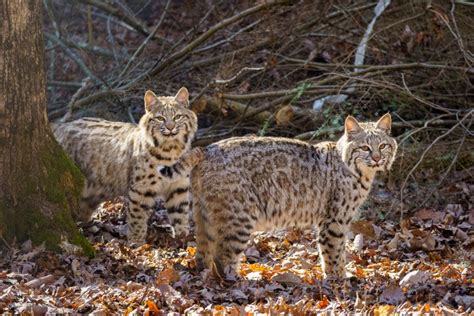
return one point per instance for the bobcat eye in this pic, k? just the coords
(177, 117)
(382, 146)
(160, 118)
(365, 148)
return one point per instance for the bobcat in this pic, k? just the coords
(139, 161)
(246, 184)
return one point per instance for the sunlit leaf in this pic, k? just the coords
(167, 276)
(323, 303)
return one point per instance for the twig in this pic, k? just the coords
(359, 58)
(97, 96)
(228, 39)
(443, 177)
(468, 56)
(352, 75)
(127, 18)
(203, 37)
(93, 49)
(130, 115)
(338, 129)
(436, 106)
(469, 114)
(5, 242)
(145, 42)
(64, 84)
(372, 68)
(111, 38)
(51, 17)
(86, 83)
(427, 123)
(215, 59)
(74, 57)
(90, 39)
(245, 69)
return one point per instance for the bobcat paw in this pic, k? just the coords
(196, 156)
(169, 229)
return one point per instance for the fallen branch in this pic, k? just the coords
(74, 57)
(64, 84)
(359, 58)
(127, 18)
(241, 71)
(407, 124)
(36, 283)
(86, 83)
(203, 37)
(218, 105)
(458, 123)
(145, 42)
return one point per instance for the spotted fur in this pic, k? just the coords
(248, 184)
(137, 161)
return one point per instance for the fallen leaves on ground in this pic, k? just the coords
(423, 265)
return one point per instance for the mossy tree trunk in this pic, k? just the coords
(39, 185)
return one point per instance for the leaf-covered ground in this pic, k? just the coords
(423, 265)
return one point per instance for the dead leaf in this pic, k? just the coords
(256, 276)
(167, 277)
(358, 242)
(152, 307)
(359, 304)
(363, 227)
(284, 115)
(392, 295)
(429, 214)
(419, 239)
(287, 278)
(33, 309)
(191, 251)
(414, 278)
(323, 303)
(47, 279)
(384, 310)
(393, 244)
(360, 273)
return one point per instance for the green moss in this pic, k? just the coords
(62, 176)
(42, 211)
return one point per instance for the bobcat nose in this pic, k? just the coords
(170, 125)
(376, 157)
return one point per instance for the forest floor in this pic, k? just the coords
(423, 265)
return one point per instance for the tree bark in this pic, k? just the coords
(39, 185)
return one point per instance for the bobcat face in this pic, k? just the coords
(169, 118)
(368, 145)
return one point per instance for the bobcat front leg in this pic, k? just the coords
(141, 199)
(178, 197)
(177, 202)
(331, 242)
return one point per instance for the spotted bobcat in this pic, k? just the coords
(247, 184)
(139, 161)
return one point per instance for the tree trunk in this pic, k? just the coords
(39, 185)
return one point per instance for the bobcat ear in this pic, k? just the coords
(385, 123)
(182, 96)
(150, 100)
(351, 126)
